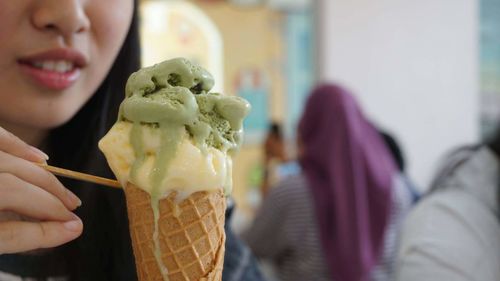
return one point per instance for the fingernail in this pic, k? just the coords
(40, 153)
(73, 198)
(74, 225)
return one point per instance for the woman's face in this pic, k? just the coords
(53, 56)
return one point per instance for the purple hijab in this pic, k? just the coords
(349, 171)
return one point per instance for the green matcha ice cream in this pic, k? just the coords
(170, 116)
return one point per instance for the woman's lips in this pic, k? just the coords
(56, 69)
(51, 79)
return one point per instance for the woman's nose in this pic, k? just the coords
(66, 17)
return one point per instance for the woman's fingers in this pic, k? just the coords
(51, 223)
(31, 201)
(37, 176)
(19, 236)
(16, 157)
(11, 144)
(57, 224)
(36, 194)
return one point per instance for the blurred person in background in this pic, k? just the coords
(339, 218)
(398, 157)
(454, 233)
(274, 155)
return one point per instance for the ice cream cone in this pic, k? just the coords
(191, 235)
(174, 136)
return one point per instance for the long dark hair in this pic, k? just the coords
(104, 250)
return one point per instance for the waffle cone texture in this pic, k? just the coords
(191, 235)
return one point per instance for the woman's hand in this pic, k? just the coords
(35, 194)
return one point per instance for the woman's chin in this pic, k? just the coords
(49, 121)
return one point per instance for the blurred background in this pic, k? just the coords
(427, 72)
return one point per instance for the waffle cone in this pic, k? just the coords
(191, 235)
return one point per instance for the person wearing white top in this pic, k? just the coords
(454, 232)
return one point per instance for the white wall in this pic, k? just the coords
(412, 64)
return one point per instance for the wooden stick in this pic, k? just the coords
(80, 176)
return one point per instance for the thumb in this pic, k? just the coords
(21, 236)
